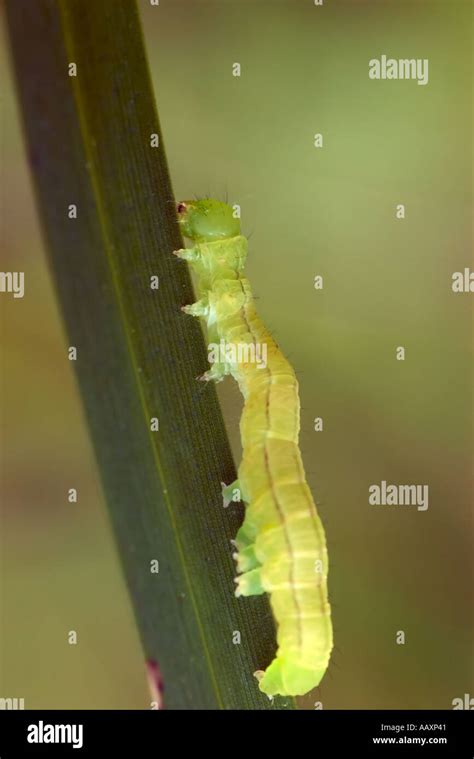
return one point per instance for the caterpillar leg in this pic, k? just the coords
(250, 583)
(246, 534)
(216, 373)
(187, 254)
(246, 559)
(200, 308)
(231, 493)
(245, 539)
(245, 543)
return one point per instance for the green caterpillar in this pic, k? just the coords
(281, 546)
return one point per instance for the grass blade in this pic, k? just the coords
(88, 139)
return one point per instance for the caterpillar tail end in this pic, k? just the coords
(285, 678)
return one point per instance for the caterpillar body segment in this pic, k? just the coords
(281, 546)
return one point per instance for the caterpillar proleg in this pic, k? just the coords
(281, 546)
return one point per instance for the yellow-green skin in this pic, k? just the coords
(281, 543)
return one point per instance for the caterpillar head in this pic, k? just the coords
(207, 220)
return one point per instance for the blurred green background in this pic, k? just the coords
(387, 283)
